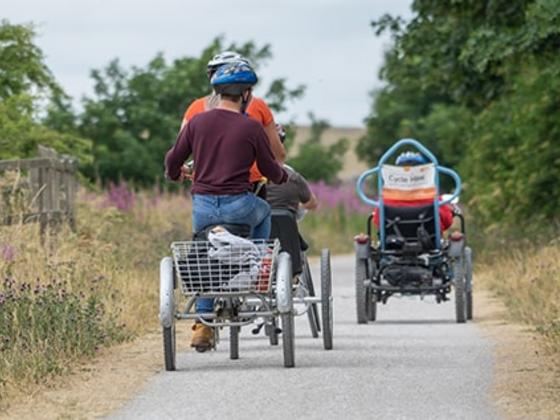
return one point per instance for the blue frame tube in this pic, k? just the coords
(379, 203)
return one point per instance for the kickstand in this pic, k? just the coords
(258, 328)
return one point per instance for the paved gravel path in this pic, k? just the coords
(415, 362)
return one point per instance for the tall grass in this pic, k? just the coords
(82, 290)
(527, 279)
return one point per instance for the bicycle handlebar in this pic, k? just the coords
(359, 187)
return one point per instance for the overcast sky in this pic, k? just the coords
(328, 45)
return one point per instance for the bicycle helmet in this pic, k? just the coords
(410, 159)
(222, 58)
(233, 78)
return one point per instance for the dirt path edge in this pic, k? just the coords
(526, 373)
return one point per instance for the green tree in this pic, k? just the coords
(26, 86)
(134, 115)
(316, 161)
(22, 69)
(476, 82)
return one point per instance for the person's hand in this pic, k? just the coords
(186, 173)
(456, 210)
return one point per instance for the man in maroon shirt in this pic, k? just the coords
(224, 144)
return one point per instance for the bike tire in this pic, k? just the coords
(327, 299)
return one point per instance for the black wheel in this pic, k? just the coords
(468, 279)
(460, 291)
(288, 338)
(169, 347)
(362, 292)
(234, 343)
(326, 299)
(469, 303)
(312, 312)
(371, 305)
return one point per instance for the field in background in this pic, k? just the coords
(338, 219)
(353, 167)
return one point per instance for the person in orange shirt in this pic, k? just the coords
(255, 108)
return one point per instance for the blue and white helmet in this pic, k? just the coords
(411, 159)
(225, 57)
(234, 78)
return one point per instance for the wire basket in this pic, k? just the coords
(233, 269)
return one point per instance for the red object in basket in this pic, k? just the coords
(264, 274)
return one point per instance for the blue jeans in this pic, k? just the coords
(245, 208)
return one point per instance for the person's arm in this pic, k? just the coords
(177, 155)
(276, 145)
(445, 216)
(312, 204)
(266, 162)
(307, 199)
(259, 110)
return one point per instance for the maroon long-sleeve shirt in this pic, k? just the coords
(224, 145)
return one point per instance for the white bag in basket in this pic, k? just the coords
(232, 249)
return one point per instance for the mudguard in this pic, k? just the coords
(456, 248)
(166, 295)
(284, 283)
(363, 251)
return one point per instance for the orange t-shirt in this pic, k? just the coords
(257, 109)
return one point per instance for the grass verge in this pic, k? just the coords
(61, 302)
(528, 282)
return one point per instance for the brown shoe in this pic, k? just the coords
(203, 337)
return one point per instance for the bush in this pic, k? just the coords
(45, 327)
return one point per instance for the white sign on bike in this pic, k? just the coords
(409, 182)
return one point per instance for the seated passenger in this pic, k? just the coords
(293, 198)
(294, 194)
(445, 211)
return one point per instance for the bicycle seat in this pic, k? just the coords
(410, 225)
(243, 231)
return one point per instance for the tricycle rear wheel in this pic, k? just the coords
(326, 299)
(288, 338)
(169, 347)
(312, 312)
(234, 343)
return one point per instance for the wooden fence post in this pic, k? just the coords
(52, 185)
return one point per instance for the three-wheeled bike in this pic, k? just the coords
(251, 282)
